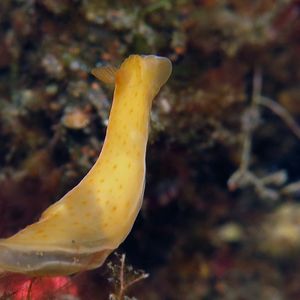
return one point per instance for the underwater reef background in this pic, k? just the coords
(221, 214)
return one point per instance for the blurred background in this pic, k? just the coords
(221, 214)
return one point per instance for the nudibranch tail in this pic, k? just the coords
(49, 263)
(89, 222)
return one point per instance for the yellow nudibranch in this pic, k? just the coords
(79, 231)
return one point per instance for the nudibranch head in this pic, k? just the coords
(150, 70)
(79, 231)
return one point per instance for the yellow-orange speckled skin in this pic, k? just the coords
(97, 215)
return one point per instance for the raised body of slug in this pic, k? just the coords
(79, 231)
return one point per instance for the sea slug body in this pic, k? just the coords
(89, 222)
